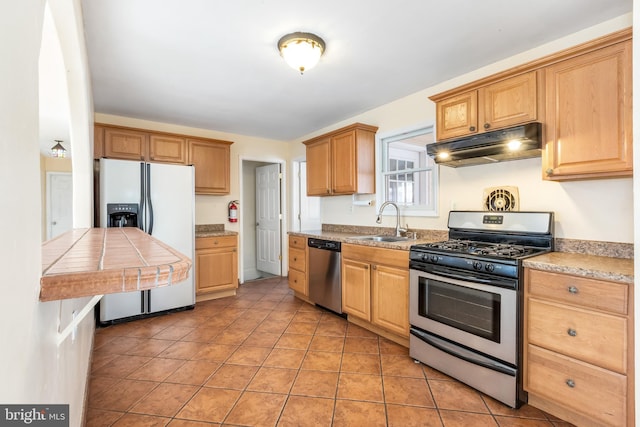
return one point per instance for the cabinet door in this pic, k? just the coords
(167, 149)
(588, 108)
(319, 168)
(98, 141)
(125, 144)
(356, 288)
(509, 102)
(211, 161)
(390, 299)
(216, 270)
(457, 116)
(344, 163)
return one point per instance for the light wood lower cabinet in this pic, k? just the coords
(298, 253)
(216, 265)
(578, 352)
(375, 286)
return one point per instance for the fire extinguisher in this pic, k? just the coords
(233, 211)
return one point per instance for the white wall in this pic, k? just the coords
(588, 210)
(33, 368)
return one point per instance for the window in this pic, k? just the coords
(409, 177)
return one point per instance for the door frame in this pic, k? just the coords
(48, 200)
(283, 205)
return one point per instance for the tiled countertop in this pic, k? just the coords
(97, 261)
(596, 267)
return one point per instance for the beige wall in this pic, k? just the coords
(591, 210)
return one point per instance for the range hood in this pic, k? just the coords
(489, 147)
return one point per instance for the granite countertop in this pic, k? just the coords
(591, 266)
(352, 237)
(213, 230)
(96, 261)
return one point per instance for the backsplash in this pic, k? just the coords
(593, 247)
(587, 247)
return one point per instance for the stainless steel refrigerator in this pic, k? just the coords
(163, 196)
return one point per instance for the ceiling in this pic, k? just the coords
(215, 65)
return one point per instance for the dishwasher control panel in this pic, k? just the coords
(328, 245)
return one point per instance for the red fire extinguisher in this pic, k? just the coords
(233, 211)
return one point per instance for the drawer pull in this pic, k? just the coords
(295, 259)
(572, 289)
(571, 383)
(572, 332)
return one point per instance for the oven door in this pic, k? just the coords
(477, 316)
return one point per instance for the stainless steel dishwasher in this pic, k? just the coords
(325, 282)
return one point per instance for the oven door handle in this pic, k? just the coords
(468, 278)
(462, 353)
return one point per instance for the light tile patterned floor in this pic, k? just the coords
(265, 358)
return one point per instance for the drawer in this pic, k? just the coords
(297, 242)
(216, 242)
(383, 256)
(591, 391)
(608, 296)
(297, 259)
(594, 337)
(298, 281)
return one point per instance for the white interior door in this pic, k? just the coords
(60, 201)
(268, 219)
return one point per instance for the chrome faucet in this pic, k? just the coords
(399, 230)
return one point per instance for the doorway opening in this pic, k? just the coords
(262, 219)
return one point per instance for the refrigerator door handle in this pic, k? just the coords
(150, 231)
(141, 215)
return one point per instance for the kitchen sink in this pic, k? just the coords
(382, 238)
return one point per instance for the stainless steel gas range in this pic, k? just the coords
(466, 302)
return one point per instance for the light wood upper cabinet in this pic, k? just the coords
(98, 141)
(507, 102)
(126, 144)
(375, 286)
(167, 149)
(319, 167)
(588, 115)
(211, 159)
(342, 162)
(457, 116)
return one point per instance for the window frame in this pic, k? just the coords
(382, 152)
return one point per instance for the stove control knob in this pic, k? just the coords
(489, 267)
(433, 258)
(477, 265)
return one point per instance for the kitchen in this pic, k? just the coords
(579, 214)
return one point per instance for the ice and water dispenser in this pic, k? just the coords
(122, 214)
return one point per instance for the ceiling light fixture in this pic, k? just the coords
(301, 51)
(58, 150)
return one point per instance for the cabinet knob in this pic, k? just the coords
(295, 259)
(549, 172)
(572, 289)
(487, 125)
(571, 383)
(572, 332)
(472, 128)
(366, 267)
(374, 267)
